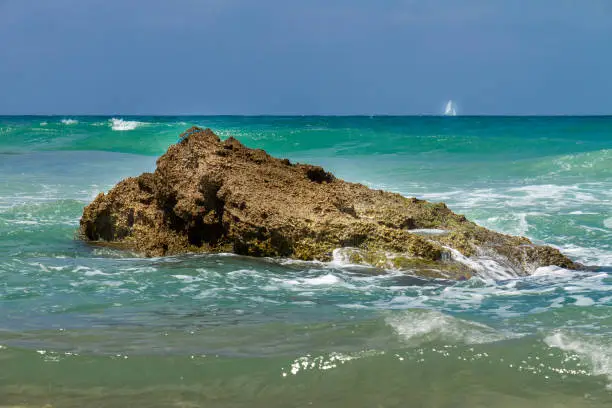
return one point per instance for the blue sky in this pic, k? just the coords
(305, 57)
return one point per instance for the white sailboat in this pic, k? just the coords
(450, 109)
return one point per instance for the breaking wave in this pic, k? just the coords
(124, 125)
(423, 326)
(596, 353)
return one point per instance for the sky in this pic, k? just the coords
(397, 57)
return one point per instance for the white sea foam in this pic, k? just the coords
(328, 279)
(552, 270)
(187, 278)
(486, 267)
(420, 326)
(588, 256)
(354, 306)
(583, 300)
(606, 301)
(23, 222)
(537, 192)
(341, 258)
(538, 211)
(208, 273)
(123, 125)
(523, 226)
(540, 196)
(70, 121)
(95, 272)
(586, 160)
(594, 351)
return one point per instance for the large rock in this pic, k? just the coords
(208, 195)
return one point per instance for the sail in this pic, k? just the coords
(450, 109)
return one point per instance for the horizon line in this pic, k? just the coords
(2, 115)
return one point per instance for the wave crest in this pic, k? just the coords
(597, 354)
(422, 326)
(123, 125)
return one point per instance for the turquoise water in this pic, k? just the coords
(90, 326)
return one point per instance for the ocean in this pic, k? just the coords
(88, 326)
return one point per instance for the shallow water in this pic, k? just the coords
(91, 326)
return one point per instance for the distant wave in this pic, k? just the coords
(580, 163)
(70, 121)
(123, 125)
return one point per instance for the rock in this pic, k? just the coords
(208, 195)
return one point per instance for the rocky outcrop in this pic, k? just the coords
(208, 195)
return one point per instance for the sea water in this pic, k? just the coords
(82, 325)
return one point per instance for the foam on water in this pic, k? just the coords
(486, 267)
(553, 271)
(546, 196)
(424, 326)
(124, 125)
(589, 256)
(67, 122)
(583, 300)
(327, 279)
(569, 217)
(341, 258)
(594, 351)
